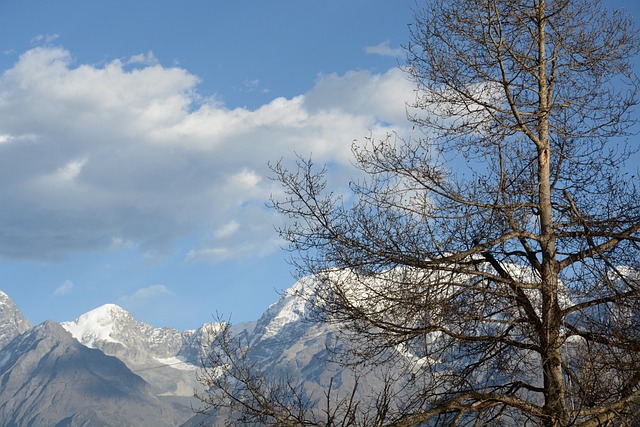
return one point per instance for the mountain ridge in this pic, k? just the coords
(159, 364)
(12, 321)
(49, 378)
(166, 358)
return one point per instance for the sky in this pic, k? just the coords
(135, 138)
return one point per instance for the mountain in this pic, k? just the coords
(107, 368)
(285, 345)
(48, 378)
(166, 358)
(12, 322)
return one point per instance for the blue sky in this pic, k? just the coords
(134, 138)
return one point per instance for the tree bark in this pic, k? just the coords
(551, 357)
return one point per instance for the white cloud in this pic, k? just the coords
(64, 289)
(44, 39)
(213, 253)
(246, 179)
(378, 98)
(147, 293)
(227, 230)
(384, 49)
(70, 170)
(98, 156)
(253, 85)
(144, 58)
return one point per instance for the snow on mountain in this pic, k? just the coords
(48, 378)
(12, 321)
(96, 325)
(290, 308)
(113, 327)
(165, 357)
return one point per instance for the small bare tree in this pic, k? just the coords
(501, 248)
(240, 390)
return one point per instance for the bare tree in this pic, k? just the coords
(239, 392)
(501, 248)
(243, 391)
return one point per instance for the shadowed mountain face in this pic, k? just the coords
(48, 378)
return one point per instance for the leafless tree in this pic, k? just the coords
(239, 392)
(500, 247)
(242, 391)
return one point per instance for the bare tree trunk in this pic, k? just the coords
(551, 358)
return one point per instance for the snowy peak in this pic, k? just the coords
(164, 357)
(104, 313)
(110, 324)
(12, 321)
(96, 325)
(290, 309)
(115, 331)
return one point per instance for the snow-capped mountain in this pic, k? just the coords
(48, 378)
(166, 358)
(12, 322)
(111, 326)
(284, 344)
(288, 311)
(152, 369)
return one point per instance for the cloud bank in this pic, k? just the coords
(129, 153)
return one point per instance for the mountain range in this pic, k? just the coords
(106, 368)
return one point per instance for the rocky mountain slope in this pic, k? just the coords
(166, 358)
(12, 322)
(48, 378)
